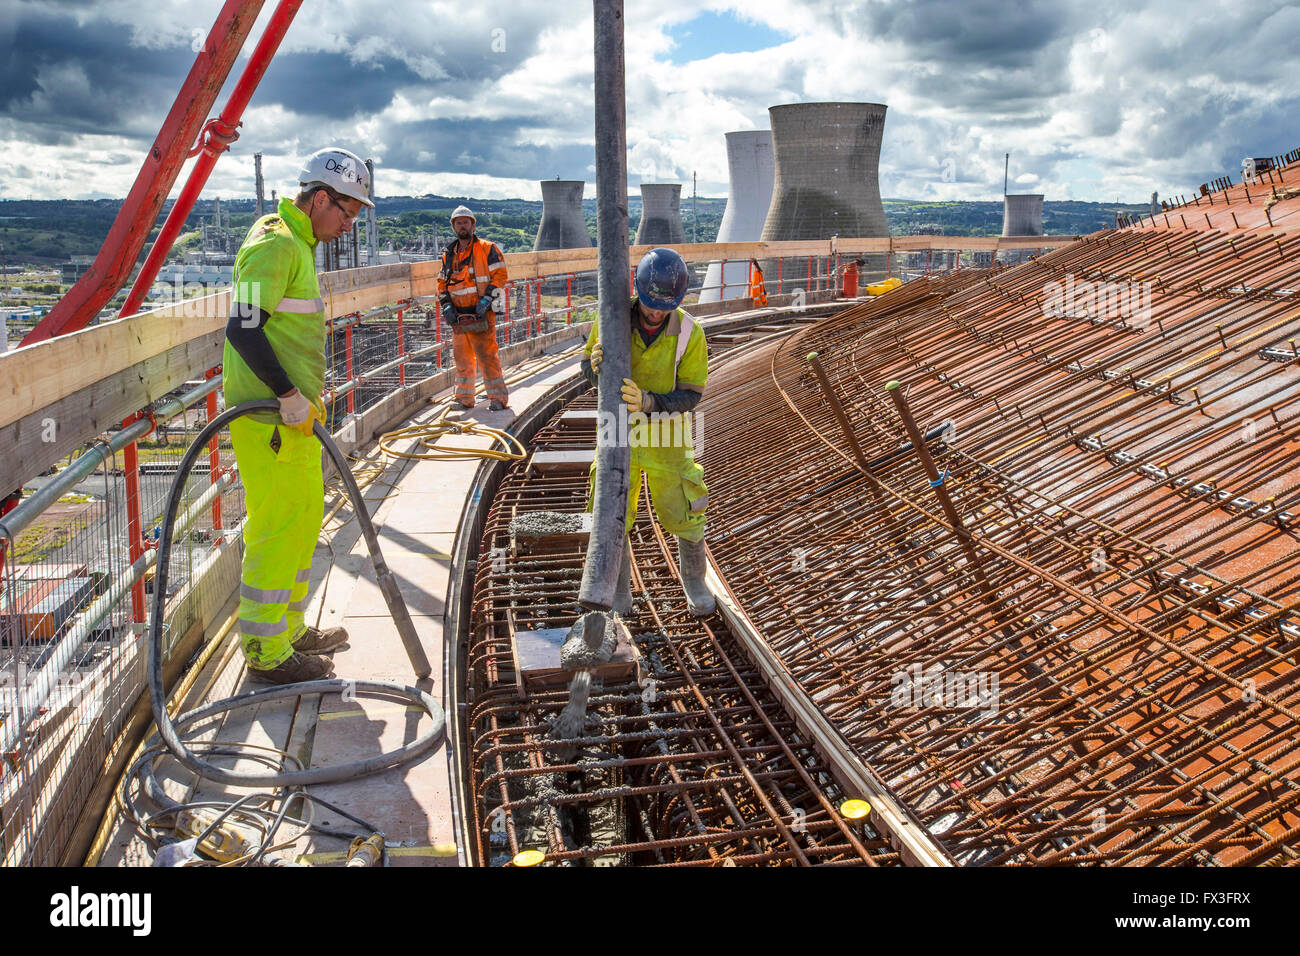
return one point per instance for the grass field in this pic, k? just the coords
(60, 524)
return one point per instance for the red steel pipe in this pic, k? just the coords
(438, 330)
(352, 392)
(134, 523)
(162, 166)
(217, 137)
(401, 347)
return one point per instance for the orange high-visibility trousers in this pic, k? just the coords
(471, 349)
(757, 289)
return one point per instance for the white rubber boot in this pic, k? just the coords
(692, 560)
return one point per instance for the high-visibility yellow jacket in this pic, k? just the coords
(275, 270)
(467, 276)
(677, 358)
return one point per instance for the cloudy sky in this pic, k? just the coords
(1094, 100)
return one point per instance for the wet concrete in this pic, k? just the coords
(544, 524)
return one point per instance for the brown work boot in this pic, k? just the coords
(298, 669)
(313, 641)
(497, 407)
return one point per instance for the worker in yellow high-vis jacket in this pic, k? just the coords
(275, 348)
(670, 367)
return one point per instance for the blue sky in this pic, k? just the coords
(1093, 98)
(721, 32)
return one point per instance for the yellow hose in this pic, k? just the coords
(428, 437)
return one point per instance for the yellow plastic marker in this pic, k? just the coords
(855, 809)
(529, 857)
(437, 850)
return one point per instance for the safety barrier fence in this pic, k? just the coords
(1265, 174)
(77, 555)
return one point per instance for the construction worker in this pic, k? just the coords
(471, 291)
(757, 290)
(275, 348)
(670, 367)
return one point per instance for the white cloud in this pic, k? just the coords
(1092, 99)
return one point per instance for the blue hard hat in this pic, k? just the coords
(661, 280)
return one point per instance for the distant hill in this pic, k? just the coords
(52, 231)
(907, 217)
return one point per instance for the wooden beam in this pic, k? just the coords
(37, 376)
(72, 419)
(356, 290)
(91, 355)
(97, 354)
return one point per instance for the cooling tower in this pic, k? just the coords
(661, 215)
(827, 173)
(1022, 214)
(563, 226)
(753, 171)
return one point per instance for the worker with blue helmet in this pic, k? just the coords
(669, 369)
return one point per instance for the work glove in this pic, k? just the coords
(597, 356)
(298, 413)
(449, 314)
(484, 306)
(635, 399)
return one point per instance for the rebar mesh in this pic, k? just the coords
(1095, 662)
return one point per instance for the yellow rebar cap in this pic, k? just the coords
(529, 857)
(855, 809)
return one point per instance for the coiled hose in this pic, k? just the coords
(168, 729)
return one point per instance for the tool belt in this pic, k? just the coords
(470, 322)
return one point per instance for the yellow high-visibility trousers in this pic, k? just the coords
(284, 497)
(677, 491)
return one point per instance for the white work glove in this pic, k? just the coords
(298, 413)
(597, 356)
(635, 399)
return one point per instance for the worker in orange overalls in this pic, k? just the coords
(757, 290)
(471, 292)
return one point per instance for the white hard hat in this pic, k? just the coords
(462, 212)
(342, 171)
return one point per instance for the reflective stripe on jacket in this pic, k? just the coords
(467, 276)
(275, 270)
(757, 290)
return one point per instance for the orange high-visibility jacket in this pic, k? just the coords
(757, 291)
(466, 277)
